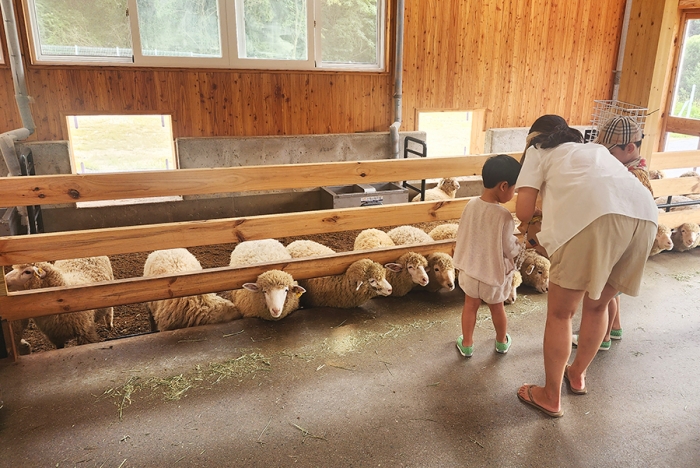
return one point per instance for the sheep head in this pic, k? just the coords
(441, 269)
(685, 237)
(535, 271)
(415, 264)
(662, 241)
(275, 285)
(371, 274)
(449, 185)
(28, 276)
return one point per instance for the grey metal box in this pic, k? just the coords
(349, 196)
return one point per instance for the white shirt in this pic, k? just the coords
(485, 244)
(580, 183)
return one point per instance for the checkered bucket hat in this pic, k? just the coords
(620, 130)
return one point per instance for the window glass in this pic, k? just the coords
(349, 31)
(179, 28)
(275, 29)
(83, 28)
(686, 96)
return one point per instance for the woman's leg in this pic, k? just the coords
(594, 322)
(613, 316)
(616, 325)
(561, 307)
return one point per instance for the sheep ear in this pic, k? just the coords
(395, 267)
(359, 283)
(251, 287)
(530, 269)
(39, 272)
(298, 290)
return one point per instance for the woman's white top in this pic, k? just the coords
(580, 183)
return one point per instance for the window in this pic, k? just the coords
(260, 34)
(447, 133)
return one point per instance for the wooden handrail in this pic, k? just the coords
(675, 186)
(674, 159)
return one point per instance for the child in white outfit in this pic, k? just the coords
(485, 252)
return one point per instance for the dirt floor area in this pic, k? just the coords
(132, 319)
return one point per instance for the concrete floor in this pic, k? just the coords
(378, 386)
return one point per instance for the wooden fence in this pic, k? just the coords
(57, 189)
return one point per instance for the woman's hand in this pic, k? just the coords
(525, 205)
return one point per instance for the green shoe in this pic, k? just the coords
(503, 348)
(616, 334)
(604, 346)
(465, 351)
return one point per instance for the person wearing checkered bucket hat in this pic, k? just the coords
(622, 136)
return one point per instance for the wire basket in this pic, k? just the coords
(605, 110)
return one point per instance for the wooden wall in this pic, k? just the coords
(516, 58)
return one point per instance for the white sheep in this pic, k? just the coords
(372, 239)
(535, 270)
(189, 311)
(445, 190)
(273, 296)
(60, 328)
(363, 280)
(662, 241)
(248, 253)
(690, 174)
(444, 232)
(517, 281)
(685, 237)
(441, 272)
(656, 174)
(407, 272)
(405, 235)
(308, 248)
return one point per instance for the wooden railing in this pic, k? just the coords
(676, 185)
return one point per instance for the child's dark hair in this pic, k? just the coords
(500, 168)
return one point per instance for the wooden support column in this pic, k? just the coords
(648, 60)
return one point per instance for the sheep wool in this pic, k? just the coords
(60, 328)
(444, 232)
(407, 272)
(441, 272)
(535, 270)
(258, 251)
(517, 281)
(372, 239)
(685, 237)
(273, 296)
(446, 189)
(662, 241)
(189, 311)
(363, 280)
(308, 248)
(405, 235)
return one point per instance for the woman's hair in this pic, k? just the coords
(550, 131)
(500, 168)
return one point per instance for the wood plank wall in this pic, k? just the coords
(516, 58)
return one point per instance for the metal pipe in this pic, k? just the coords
(621, 49)
(398, 79)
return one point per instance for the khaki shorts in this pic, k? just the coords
(487, 293)
(613, 250)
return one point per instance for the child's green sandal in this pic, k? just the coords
(465, 351)
(503, 348)
(616, 334)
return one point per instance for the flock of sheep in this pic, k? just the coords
(275, 294)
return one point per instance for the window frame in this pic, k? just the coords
(230, 23)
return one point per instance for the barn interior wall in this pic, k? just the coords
(516, 59)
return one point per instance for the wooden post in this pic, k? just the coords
(9, 337)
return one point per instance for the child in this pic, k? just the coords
(485, 251)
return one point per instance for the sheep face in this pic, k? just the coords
(449, 185)
(275, 296)
(663, 239)
(25, 276)
(686, 236)
(442, 268)
(535, 272)
(374, 276)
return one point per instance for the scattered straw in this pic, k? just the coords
(306, 433)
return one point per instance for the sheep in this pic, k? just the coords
(662, 241)
(363, 280)
(535, 270)
(444, 232)
(690, 174)
(273, 296)
(372, 239)
(258, 251)
(407, 272)
(517, 281)
(189, 311)
(404, 235)
(656, 174)
(441, 273)
(60, 328)
(685, 237)
(676, 199)
(445, 190)
(308, 248)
